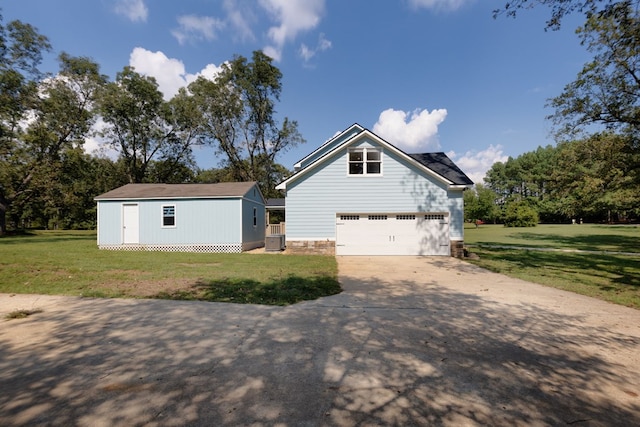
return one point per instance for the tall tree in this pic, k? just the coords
(594, 177)
(61, 119)
(607, 90)
(143, 127)
(239, 108)
(21, 49)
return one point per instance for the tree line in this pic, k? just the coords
(48, 180)
(596, 179)
(593, 172)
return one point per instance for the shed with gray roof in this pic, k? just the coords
(223, 217)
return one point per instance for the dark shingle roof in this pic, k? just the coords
(163, 191)
(442, 165)
(275, 203)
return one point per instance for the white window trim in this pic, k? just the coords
(364, 162)
(175, 216)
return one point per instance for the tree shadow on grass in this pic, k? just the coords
(585, 242)
(281, 291)
(402, 353)
(621, 270)
(51, 237)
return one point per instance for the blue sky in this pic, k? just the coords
(426, 75)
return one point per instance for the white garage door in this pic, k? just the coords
(392, 234)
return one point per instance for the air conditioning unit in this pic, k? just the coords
(274, 243)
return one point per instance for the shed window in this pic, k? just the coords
(169, 216)
(365, 161)
(255, 217)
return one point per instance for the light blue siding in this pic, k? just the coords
(314, 199)
(250, 232)
(109, 223)
(199, 221)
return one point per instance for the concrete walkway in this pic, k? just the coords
(410, 341)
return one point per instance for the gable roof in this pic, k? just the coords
(346, 134)
(437, 165)
(443, 165)
(179, 191)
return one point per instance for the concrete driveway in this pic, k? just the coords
(410, 341)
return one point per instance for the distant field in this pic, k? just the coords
(69, 263)
(611, 277)
(619, 238)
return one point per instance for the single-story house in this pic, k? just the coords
(224, 217)
(357, 194)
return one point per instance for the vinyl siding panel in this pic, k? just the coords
(251, 233)
(109, 223)
(199, 221)
(314, 199)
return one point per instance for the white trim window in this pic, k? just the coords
(365, 161)
(168, 216)
(255, 218)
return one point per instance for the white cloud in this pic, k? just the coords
(196, 28)
(307, 53)
(134, 10)
(412, 132)
(292, 17)
(449, 5)
(476, 163)
(96, 144)
(170, 73)
(241, 17)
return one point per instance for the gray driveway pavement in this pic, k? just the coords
(410, 341)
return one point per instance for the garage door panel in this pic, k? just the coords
(392, 234)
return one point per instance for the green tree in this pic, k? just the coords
(480, 204)
(144, 128)
(607, 90)
(596, 178)
(239, 109)
(559, 8)
(21, 49)
(520, 214)
(63, 116)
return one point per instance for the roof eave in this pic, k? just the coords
(460, 186)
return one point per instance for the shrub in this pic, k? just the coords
(519, 214)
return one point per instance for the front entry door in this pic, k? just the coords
(130, 224)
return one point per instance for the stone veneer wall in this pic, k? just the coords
(311, 247)
(457, 248)
(327, 247)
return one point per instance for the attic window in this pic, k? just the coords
(365, 161)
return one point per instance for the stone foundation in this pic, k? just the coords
(328, 247)
(457, 248)
(311, 247)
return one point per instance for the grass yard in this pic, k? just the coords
(69, 263)
(611, 277)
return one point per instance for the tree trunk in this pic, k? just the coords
(3, 218)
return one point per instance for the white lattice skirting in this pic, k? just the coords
(219, 248)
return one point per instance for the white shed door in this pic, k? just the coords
(392, 234)
(130, 224)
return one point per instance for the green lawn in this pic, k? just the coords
(611, 277)
(69, 263)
